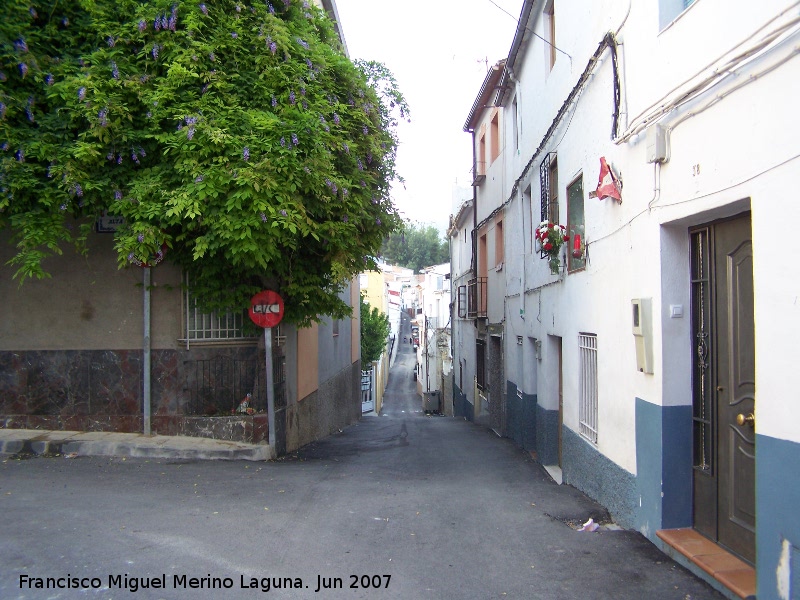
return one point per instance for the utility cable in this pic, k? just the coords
(532, 32)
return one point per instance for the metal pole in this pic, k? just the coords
(270, 388)
(146, 352)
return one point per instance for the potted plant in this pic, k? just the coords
(549, 239)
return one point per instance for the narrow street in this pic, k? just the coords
(423, 506)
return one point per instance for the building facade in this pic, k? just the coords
(629, 354)
(96, 348)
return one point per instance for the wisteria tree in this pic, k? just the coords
(235, 139)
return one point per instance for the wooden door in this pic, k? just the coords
(724, 384)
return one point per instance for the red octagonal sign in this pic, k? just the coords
(266, 308)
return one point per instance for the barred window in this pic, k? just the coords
(548, 175)
(210, 327)
(587, 391)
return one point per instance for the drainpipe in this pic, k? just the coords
(146, 352)
(518, 94)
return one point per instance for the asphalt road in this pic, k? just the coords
(401, 506)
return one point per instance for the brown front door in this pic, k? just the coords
(724, 384)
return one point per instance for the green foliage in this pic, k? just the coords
(236, 140)
(374, 331)
(416, 247)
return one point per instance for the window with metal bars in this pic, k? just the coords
(480, 364)
(213, 327)
(548, 178)
(462, 302)
(587, 389)
(701, 371)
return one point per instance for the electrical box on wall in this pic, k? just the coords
(656, 144)
(642, 327)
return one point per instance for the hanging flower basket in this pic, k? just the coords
(549, 239)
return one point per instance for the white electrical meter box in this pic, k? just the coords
(656, 144)
(642, 327)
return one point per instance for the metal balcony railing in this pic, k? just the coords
(476, 298)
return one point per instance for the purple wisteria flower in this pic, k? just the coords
(360, 164)
(117, 195)
(365, 130)
(3, 76)
(103, 117)
(155, 51)
(363, 183)
(270, 8)
(274, 102)
(190, 133)
(345, 147)
(369, 158)
(345, 218)
(157, 24)
(20, 155)
(305, 104)
(204, 9)
(303, 43)
(62, 208)
(21, 45)
(283, 142)
(263, 217)
(4, 147)
(114, 70)
(119, 158)
(110, 156)
(292, 98)
(23, 69)
(142, 25)
(377, 221)
(374, 200)
(305, 3)
(336, 118)
(131, 257)
(77, 190)
(295, 141)
(283, 213)
(234, 35)
(33, 12)
(110, 41)
(2, 110)
(344, 192)
(273, 47)
(140, 238)
(49, 80)
(82, 93)
(212, 57)
(198, 179)
(149, 115)
(309, 63)
(65, 22)
(246, 153)
(238, 8)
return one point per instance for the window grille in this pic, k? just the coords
(548, 179)
(587, 391)
(209, 327)
(480, 366)
(476, 298)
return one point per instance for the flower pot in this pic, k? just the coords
(555, 265)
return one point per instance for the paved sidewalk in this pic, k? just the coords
(27, 442)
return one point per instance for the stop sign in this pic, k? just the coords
(266, 308)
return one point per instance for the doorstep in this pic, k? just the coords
(730, 571)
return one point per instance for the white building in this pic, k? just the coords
(433, 354)
(633, 368)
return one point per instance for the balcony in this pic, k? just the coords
(478, 173)
(476, 298)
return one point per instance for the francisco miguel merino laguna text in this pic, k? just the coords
(134, 584)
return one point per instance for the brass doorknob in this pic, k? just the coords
(749, 420)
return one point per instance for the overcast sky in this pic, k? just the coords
(438, 51)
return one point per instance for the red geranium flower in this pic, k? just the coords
(548, 246)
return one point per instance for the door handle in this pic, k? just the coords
(750, 419)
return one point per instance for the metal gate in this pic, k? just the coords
(367, 388)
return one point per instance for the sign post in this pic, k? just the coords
(266, 310)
